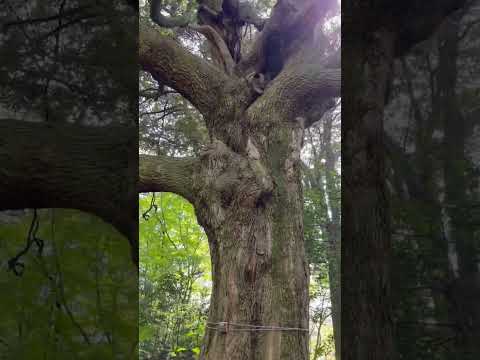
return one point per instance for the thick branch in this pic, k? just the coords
(167, 174)
(298, 89)
(218, 46)
(69, 166)
(169, 63)
(291, 23)
(317, 112)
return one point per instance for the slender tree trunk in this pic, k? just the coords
(318, 342)
(333, 235)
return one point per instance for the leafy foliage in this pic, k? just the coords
(76, 300)
(78, 66)
(174, 278)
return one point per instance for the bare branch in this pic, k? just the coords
(218, 47)
(171, 64)
(159, 173)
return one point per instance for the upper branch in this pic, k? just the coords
(291, 24)
(159, 173)
(218, 47)
(298, 89)
(168, 62)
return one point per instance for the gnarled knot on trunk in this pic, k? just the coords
(235, 178)
(257, 82)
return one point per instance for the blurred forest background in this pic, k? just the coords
(66, 290)
(175, 279)
(70, 296)
(432, 131)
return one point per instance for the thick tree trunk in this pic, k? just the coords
(251, 208)
(368, 330)
(69, 166)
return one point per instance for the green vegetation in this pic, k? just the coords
(175, 279)
(74, 300)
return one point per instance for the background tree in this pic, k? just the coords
(374, 33)
(322, 216)
(433, 149)
(245, 182)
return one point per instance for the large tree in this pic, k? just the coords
(246, 185)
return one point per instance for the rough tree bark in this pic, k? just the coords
(374, 33)
(246, 187)
(69, 166)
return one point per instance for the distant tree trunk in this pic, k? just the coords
(334, 236)
(374, 33)
(368, 330)
(464, 293)
(431, 242)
